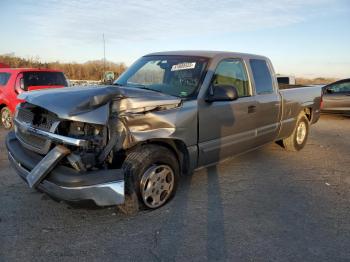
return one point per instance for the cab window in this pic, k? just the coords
(262, 76)
(232, 72)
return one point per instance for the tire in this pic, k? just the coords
(297, 140)
(6, 118)
(151, 178)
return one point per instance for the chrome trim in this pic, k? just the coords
(53, 137)
(117, 187)
(41, 150)
(107, 194)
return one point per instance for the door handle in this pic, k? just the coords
(251, 109)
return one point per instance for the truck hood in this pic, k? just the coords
(92, 104)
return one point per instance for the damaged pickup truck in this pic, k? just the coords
(170, 113)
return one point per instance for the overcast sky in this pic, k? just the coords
(308, 38)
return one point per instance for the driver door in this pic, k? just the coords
(227, 128)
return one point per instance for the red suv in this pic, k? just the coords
(14, 81)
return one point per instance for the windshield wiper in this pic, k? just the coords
(140, 86)
(147, 88)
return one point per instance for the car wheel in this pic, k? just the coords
(297, 140)
(6, 118)
(151, 177)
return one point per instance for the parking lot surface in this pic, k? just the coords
(267, 205)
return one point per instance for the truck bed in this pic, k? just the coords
(294, 100)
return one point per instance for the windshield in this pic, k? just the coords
(173, 75)
(44, 79)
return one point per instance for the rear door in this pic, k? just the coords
(227, 127)
(268, 99)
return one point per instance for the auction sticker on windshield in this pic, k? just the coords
(183, 66)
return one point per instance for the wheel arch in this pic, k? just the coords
(176, 146)
(2, 106)
(308, 112)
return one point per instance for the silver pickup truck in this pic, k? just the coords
(170, 113)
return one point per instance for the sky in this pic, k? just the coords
(305, 38)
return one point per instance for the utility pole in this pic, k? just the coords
(104, 56)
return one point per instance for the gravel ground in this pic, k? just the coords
(267, 205)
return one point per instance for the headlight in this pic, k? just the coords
(16, 110)
(84, 129)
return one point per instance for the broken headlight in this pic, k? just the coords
(95, 134)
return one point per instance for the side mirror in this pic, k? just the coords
(222, 93)
(21, 83)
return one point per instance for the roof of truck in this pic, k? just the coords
(209, 54)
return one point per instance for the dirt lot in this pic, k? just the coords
(268, 205)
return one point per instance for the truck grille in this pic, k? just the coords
(40, 119)
(32, 140)
(25, 115)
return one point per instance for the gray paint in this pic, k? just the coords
(336, 102)
(92, 104)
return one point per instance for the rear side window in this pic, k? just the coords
(283, 80)
(340, 87)
(4, 78)
(44, 79)
(262, 76)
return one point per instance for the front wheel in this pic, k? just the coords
(151, 177)
(297, 140)
(6, 118)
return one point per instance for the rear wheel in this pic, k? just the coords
(6, 118)
(297, 140)
(151, 178)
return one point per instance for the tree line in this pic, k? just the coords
(315, 81)
(91, 70)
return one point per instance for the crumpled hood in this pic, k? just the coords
(91, 104)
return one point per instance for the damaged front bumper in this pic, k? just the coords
(104, 187)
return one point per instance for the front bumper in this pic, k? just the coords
(104, 187)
